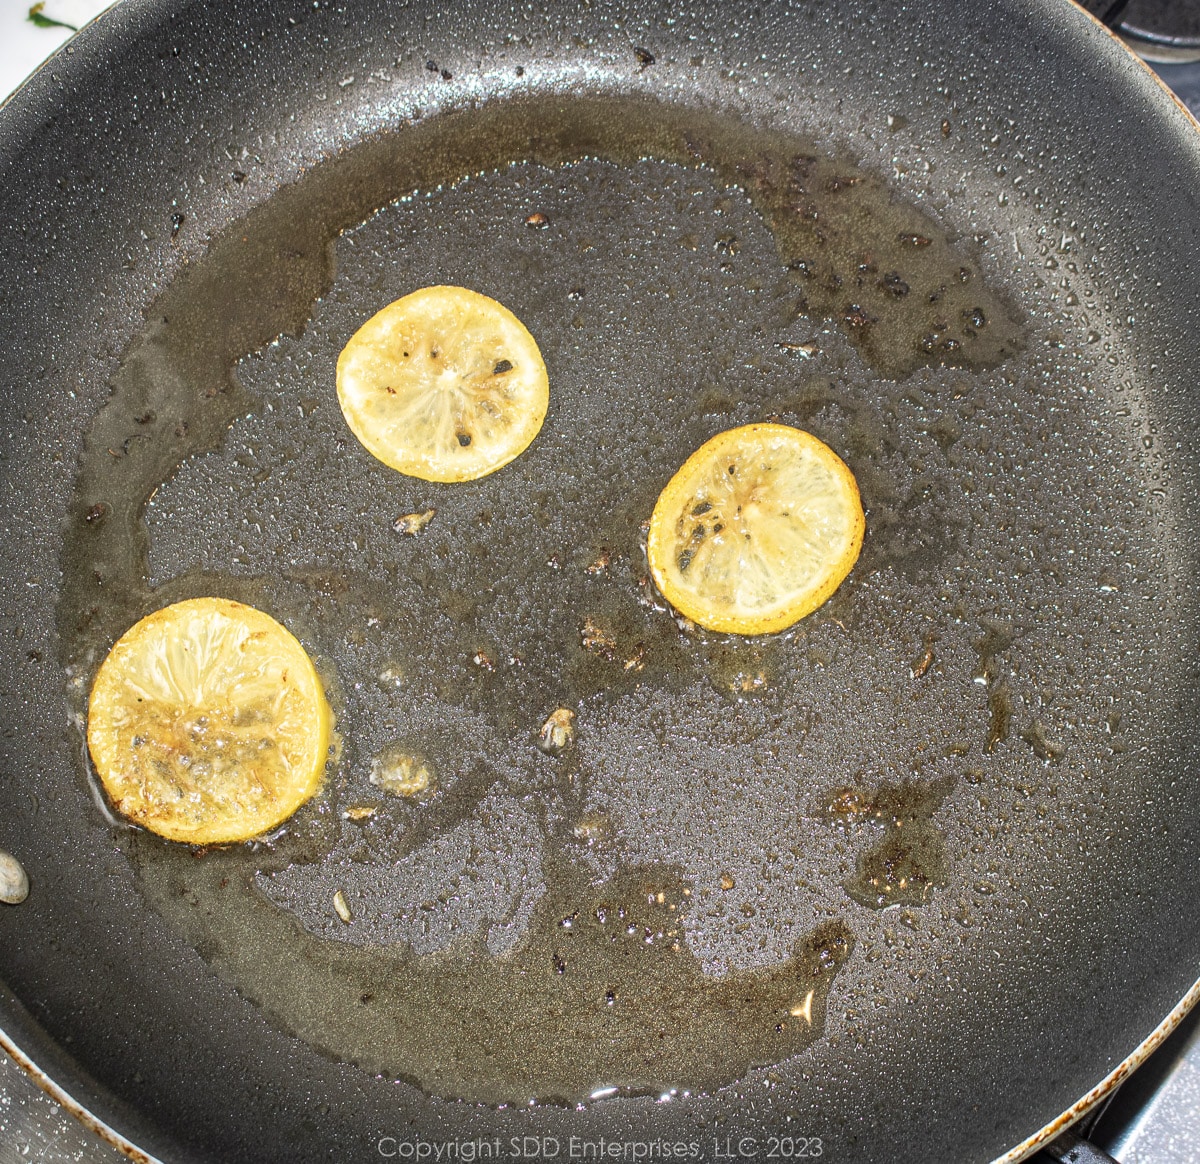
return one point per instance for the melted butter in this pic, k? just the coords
(604, 994)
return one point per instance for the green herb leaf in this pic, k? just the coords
(36, 17)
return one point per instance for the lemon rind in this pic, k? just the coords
(790, 611)
(104, 744)
(421, 464)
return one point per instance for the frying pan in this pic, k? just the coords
(998, 707)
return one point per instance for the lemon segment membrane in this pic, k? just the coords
(756, 530)
(208, 723)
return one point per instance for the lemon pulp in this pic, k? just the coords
(756, 530)
(444, 384)
(208, 723)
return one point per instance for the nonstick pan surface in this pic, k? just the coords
(949, 819)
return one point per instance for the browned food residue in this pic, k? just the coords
(1044, 746)
(637, 660)
(909, 861)
(805, 351)
(1000, 706)
(925, 659)
(411, 524)
(997, 637)
(906, 299)
(595, 639)
(602, 562)
(594, 829)
(557, 734)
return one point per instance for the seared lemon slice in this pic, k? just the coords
(208, 723)
(444, 384)
(756, 530)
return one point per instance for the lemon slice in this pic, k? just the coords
(444, 384)
(208, 723)
(758, 527)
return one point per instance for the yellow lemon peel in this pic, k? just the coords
(208, 723)
(444, 384)
(757, 529)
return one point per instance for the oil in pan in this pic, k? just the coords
(679, 888)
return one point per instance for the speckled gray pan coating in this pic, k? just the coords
(1008, 673)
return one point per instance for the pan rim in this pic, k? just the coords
(1086, 1102)
(96, 1124)
(64, 1099)
(1142, 64)
(27, 106)
(1108, 1084)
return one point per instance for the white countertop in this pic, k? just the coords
(23, 45)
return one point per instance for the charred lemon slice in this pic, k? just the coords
(444, 384)
(208, 723)
(756, 530)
